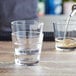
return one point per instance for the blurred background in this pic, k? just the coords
(55, 7)
(52, 10)
(47, 12)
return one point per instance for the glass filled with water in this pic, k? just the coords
(65, 34)
(27, 38)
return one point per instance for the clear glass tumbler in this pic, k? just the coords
(27, 38)
(65, 35)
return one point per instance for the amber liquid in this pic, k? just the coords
(67, 43)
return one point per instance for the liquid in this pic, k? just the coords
(27, 50)
(66, 26)
(67, 23)
(26, 56)
(68, 43)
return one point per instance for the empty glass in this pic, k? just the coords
(27, 37)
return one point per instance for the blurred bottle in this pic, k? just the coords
(67, 6)
(41, 8)
(53, 7)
